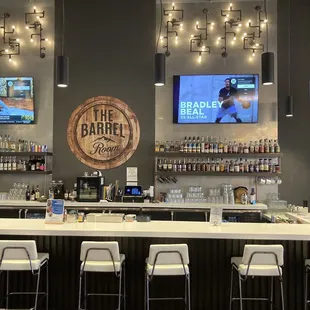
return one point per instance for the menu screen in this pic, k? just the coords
(16, 100)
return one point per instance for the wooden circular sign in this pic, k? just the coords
(103, 132)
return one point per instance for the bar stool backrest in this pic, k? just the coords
(18, 249)
(255, 254)
(100, 251)
(168, 254)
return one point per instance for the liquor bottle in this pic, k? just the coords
(167, 146)
(251, 167)
(24, 166)
(1, 163)
(33, 194)
(28, 193)
(240, 148)
(5, 164)
(185, 150)
(266, 146)
(257, 166)
(179, 166)
(246, 166)
(66, 195)
(189, 166)
(169, 166)
(241, 165)
(37, 193)
(9, 163)
(159, 165)
(13, 145)
(165, 165)
(74, 193)
(207, 145)
(251, 147)
(5, 144)
(1, 143)
(276, 146)
(230, 148)
(203, 166)
(225, 146)
(226, 166)
(252, 197)
(184, 166)
(177, 146)
(182, 146)
(194, 149)
(171, 146)
(271, 146)
(269, 165)
(266, 166)
(198, 165)
(194, 165)
(202, 144)
(256, 147)
(198, 146)
(245, 149)
(38, 161)
(208, 165)
(261, 146)
(20, 165)
(14, 166)
(212, 165)
(222, 165)
(33, 164)
(221, 147)
(215, 146)
(236, 166)
(157, 146)
(175, 166)
(231, 166)
(217, 166)
(162, 147)
(189, 145)
(211, 146)
(42, 164)
(8, 148)
(235, 147)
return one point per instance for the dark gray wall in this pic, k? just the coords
(111, 50)
(294, 132)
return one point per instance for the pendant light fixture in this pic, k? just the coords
(267, 58)
(290, 100)
(160, 58)
(62, 62)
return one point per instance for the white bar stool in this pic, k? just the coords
(22, 255)
(258, 261)
(102, 257)
(307, 271)
(167, 260)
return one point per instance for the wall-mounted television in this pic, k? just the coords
(209, 99)
(16, 100)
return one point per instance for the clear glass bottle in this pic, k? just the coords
(217, 166)
(159, 165)
(185, 145)
(165, 165)
(198, 146)
(241, 165)
(1, 143)
(189, 145)
(5, 144)
(162, 147)
(271, 146)
(202, 144)
(157, 145)
(184, 166)
(208, 165)
(167, 146)
(256, 147)
(222, 165)
(1, 163)
(251, 147)
(194, 149)
(212, 165)
(261, 146)
(277, 146)
(225, 147)
(236, 166)
(9, 163)
(14, 165)
(221, 147)
(189, 165)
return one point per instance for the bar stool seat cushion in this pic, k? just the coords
(256, 270)
(307, 262)
(166, 270)
(103, 266)
(23, 264)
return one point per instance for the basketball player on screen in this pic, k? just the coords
(227, 96)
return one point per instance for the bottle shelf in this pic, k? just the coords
(219, 155)
(25, 172)
(231, 174)
(26, 154)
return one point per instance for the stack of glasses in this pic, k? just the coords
(195, 195)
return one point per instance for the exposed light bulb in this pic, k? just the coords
(192, 35)
(176, 38)
(170, 14)
(199, 59)
(219, 38)
(197, 22)
(212, 24)
(181, 25)
(17, 40)
(227, 15)
(253, 55)
(13, 27)
(265, 21)
(34, 7)
(245, 34)
(257, 44)
(250, 59)
(31, 40)
(27, 27)
(172, 3)
(6, 50)
(38, 17)
(203, 47)
(226, 19)
(235, 38)
(10, 59)
(211, 28)
(232, 42)
(239, 25)
(46, 39)
(238, 30)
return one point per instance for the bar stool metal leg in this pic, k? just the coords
(188, 292)
(271, 293)
(120, 290)
(47, 285)
(124, 287)
(185, 292)
(7, 289)
(282, 293)
(306, 287)
(37, 290)
(80, 290)
(85, 291)
(231, 287)
(147, 293)
(240, 292)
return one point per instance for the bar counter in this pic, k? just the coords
(158, 229)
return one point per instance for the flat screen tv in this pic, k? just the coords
(16, 100)
(209, 99)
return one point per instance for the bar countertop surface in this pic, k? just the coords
(160, 229)
(118, 205)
